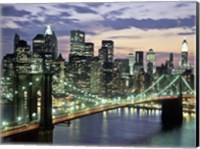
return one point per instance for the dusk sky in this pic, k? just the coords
(134, 26)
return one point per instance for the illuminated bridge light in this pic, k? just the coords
(30, 83)
(53, 111)
(19, 119)
(23, 88)
(37, 79)
(33, 114)
(4, 123)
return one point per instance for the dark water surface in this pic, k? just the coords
(119, 127)
(125, 127)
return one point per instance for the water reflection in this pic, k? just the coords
(121, 127)
(125, 127)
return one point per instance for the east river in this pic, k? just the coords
(123, 127)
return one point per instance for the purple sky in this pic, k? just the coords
(134, 26)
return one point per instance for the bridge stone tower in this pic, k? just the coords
(172, 110)
(46, 125)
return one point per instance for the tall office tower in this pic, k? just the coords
(19, 60)
(77, 39)
(89, 50)
(106, 59)
(151, 61)
(138, 62)
(123, 66)
(169, 65)
(131, 59)
(49, 53)
(95, 77)
(171, 57)
(107, 51)
(139, 57)
(107, 79)
(184, 63)
(16, 41)
(50, 48)
(23, 54)
(38, 44)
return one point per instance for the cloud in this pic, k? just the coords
(95, 5)
(127, 24)
(77, 8)
(147, 24)
(11, 11)
(184, 4)
(23, 23)
(83, 10)
(187, 33)
(125, 37)
(65, 14)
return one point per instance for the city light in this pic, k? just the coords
(19, 119)
(4, 123)
(54, 111)
(33, 114)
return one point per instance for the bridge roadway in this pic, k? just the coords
(35, 125)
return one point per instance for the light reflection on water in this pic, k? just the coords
(125, 127)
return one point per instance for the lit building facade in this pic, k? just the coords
(123, 66)
(38, 44)
(50, 43)
(106, 59)
(107, 51)
(96, 77)
(151, 62)
(89, 50)
(139, 57)
(184, 63)
(77, 44)
(131, 59)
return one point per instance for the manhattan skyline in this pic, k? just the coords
(132, 26)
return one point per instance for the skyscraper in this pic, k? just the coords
(151, 58)
(184, 63)
(89, 50)
(23, 53)
(106, 59)
(106, 51)
(131, 59)
(171, 57)
(138, 62)
(38, 44)
(96, 77)
(170, 64)
(139, 57)
(77, 39)
(50, 43)
(16, 41)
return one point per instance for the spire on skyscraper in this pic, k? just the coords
(48, 30)
(184, 46)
